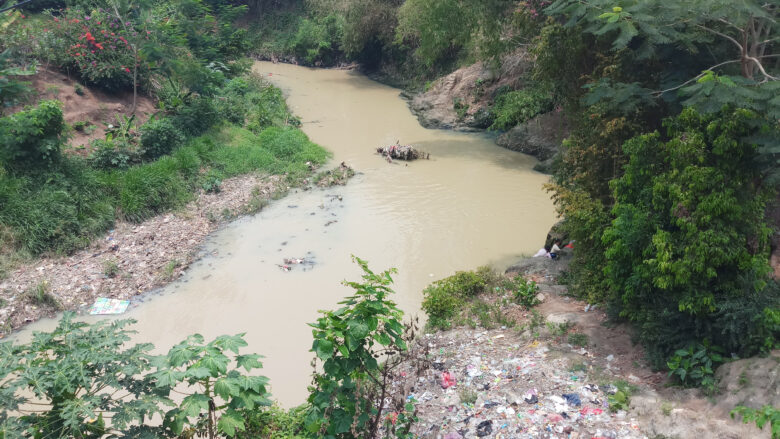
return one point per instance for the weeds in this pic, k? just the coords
(621, 399)
(169, 270)
(559, 329)
(666, 408)
(537, 321)
(110, 268)
(467, 395)
(41, 295)
(578, 339)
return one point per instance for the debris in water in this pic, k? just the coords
(104, 305)
(402, 152)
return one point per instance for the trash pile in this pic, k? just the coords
(402, 152)
(496, 385)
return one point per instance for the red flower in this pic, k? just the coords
(99, 46)
(127, 70)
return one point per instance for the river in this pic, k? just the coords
(473, 203)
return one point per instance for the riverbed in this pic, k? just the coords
(471, 204)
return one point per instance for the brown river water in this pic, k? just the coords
(473, 203)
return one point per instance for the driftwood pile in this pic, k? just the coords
(402, 152)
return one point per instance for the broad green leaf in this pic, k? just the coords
(229, 422)
(249, 362)
(195, 404)
(324, 349)
(226, 388)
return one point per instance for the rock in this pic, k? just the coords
(751, 382)
(540, 137)
(541, 266)
(472, 88)
(563, 318)
(540, 297)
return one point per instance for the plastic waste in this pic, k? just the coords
(447, 380)
(485, 428)
(572, 399)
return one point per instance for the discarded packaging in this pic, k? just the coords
(105, 306)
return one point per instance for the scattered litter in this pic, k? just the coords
(104, 306)
(572, 399)
(484, 428)
(447, 380)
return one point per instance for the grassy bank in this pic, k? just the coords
(60, 207)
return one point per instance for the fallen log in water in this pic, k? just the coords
(402, 152)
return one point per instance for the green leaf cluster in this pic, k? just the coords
(32, 138)
(760, 416)
(689, 234)
(694, 366)
(68, 382)
(348, 343)
(218, 394)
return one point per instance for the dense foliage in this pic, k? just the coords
(55, 202)
(349, 396)
(72, 381)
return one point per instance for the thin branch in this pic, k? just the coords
(739, 46)
(660, 92)
(761, 68)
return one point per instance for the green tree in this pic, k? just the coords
(689, 236)
(349, 396)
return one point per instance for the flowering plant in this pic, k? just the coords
(99, 47)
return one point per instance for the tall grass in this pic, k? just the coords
(61, 210)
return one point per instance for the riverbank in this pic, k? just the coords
(135, 258)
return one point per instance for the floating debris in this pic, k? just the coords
(402, 152)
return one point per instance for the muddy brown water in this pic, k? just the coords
(471, 204)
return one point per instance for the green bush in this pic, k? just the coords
(93, 44)
(444, 299)
(695, 366)
(688, 246)
(760, 416)
(196, 116)
(160, 137)
(519, 106)
(317, 40)
(523, 292)
(113, 154)
(351, 388)
(32, 138)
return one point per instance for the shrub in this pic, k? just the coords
(77, 369)
(516, 107)
(351, 389)
(688, 244)
(32, 138)
(110, 154)
(523, 292)
(196, 116)
(760, 416)
(317, 40)
(695, 366)
(160, 137)
(444, 299)
(96, 46)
